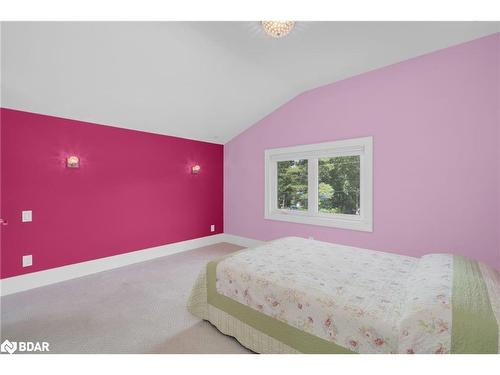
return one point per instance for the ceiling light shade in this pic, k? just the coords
(277, 29)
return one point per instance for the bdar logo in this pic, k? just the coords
(8, 347)
(24, 346)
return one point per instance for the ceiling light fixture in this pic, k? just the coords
(277, 29)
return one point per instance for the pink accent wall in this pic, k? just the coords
(435, 126)
(134, 190)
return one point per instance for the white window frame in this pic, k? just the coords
(348, 147)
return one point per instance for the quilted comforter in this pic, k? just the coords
(313, 297)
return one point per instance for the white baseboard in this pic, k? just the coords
(54, 275)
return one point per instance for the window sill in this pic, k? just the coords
(342, 221)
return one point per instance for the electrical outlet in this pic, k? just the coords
(27, 260)
(212, 228)
(27, 216)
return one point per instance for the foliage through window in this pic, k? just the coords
(292, 185)
(338, 188)
(323, 184)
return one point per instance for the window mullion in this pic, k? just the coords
(312, 186)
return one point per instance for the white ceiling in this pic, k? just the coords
(200, 80)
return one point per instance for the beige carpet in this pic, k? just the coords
(134, 309)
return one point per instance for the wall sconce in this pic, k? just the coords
(195, 169)
(72, 162)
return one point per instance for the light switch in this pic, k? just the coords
(212, 228)
(27, 216)
(27, 260)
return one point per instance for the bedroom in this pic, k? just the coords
(239, 187)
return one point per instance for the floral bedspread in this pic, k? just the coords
(362, 300)
(427, 317)
(353, 297)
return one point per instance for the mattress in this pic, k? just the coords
(306, 296)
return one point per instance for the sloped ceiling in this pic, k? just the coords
(200, 80)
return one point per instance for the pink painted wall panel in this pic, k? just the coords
(134, 190)
(435, 125)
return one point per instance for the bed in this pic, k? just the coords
(296, 295)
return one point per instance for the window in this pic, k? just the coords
(327, 184)
(292, 185)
